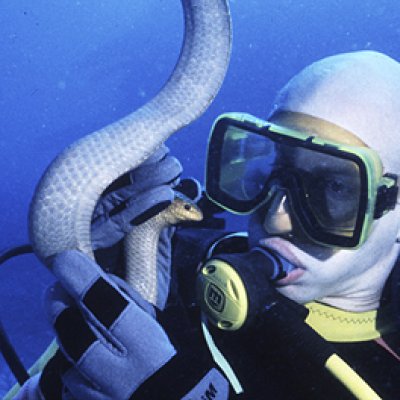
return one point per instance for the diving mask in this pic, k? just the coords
(334, 190)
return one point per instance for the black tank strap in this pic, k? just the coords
(6, 348)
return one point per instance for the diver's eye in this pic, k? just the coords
(332, 186)
(335, 186)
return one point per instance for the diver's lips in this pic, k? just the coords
(282, 247)
(291, 277)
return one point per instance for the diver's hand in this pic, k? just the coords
(109, 341)
(147, 192)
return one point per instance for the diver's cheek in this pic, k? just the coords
(383, 236)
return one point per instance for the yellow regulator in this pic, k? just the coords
(233, 288)
(222, 295)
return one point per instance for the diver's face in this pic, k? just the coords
(347, 279)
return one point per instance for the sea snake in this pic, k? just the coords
(62, 206)
(141, 247)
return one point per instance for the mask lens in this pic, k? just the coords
(327, 184)
(330, 189)
(247, 160)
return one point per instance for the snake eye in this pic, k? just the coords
(188, 207)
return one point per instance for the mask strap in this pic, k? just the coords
(387, 196)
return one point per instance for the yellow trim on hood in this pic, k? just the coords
(337, 325)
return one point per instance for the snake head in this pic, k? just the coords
(182, 209)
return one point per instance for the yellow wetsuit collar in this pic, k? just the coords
(337, 325)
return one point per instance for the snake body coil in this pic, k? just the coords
(141, 246)
(62, 206)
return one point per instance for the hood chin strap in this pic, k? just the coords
(337, 325)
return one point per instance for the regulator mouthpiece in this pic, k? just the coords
(232, 288)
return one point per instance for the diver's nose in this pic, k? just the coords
(277, 219)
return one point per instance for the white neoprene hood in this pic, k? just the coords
(357, 91)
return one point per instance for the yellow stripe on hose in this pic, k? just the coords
(349, 378)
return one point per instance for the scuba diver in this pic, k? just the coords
(305, 305)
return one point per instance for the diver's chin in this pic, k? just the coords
(296, 293)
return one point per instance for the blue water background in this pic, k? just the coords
(71, 67)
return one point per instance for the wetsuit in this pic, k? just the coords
(267, 365)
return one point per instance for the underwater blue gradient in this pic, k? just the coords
(71, 67)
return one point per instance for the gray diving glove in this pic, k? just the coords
(132, 200)
(109, 341)
(147, 190)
